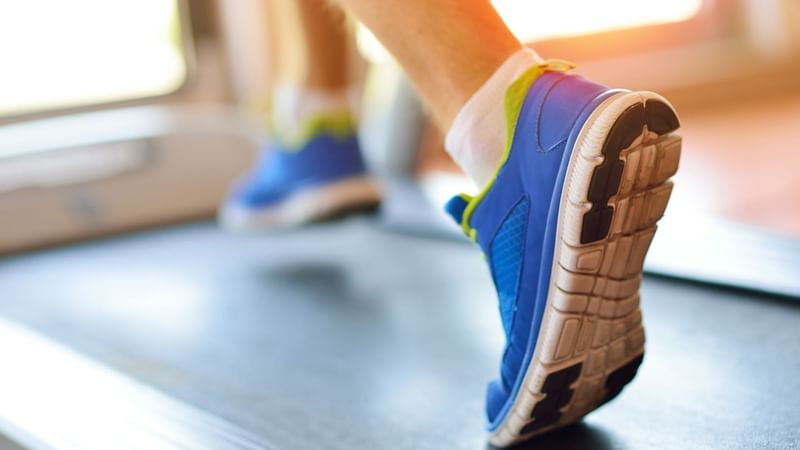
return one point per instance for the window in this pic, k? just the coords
(533, 21)
(60, 54)
(549, 24)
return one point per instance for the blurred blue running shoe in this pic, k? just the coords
(319, 177)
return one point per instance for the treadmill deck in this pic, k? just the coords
(344, 336)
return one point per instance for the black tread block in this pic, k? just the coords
(661, 119)
(540, 422)
(596, 224)
(590, 226)
(551, 403)
(619, 378)
(625, 130)
(608, 175)
(557, 394)
(625, 373)
(561, 379)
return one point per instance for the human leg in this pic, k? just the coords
(577, 178)
(312, 168)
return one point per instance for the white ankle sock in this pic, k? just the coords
(293, 107)
(477, 137)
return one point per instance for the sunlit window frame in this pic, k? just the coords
(189, 61)
(715, 20)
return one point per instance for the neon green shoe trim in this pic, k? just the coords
(340, 125)
(514, 98)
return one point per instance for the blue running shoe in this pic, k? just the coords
(321, 178)
(565, 225)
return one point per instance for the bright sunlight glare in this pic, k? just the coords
(538, 20)
(532, 20)
(59, 53)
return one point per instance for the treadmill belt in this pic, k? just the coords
(348, 336)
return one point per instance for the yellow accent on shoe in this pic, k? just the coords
(514, 98)
(340, 125)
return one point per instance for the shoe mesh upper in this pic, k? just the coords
(506, 260)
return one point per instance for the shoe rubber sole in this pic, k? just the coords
(327, 202)
(591, 340)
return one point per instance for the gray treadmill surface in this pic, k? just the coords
(345, 336)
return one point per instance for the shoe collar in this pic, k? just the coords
(462, 206)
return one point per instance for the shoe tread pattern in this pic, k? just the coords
(592, 331)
